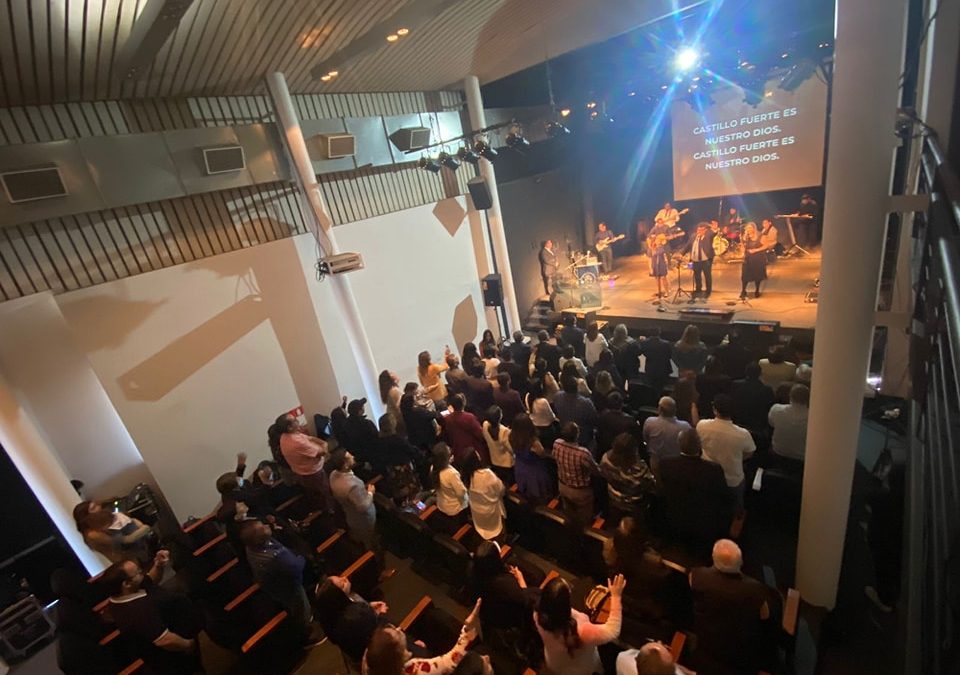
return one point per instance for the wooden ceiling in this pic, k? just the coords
(66, 50)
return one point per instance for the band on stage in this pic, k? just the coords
(732, 238)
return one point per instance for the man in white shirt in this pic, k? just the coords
(789, 424)
(653, 658)
(726, 443)
(667, 215)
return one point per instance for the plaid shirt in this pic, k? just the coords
(575, 464)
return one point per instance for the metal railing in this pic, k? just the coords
(932, 562)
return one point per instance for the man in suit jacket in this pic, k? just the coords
(548, 266)
(658, 353)
(520, 350)
(697, 501)
(549, 352)
(572, 335)
(701, 253)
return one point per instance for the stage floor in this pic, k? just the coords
(632, 293)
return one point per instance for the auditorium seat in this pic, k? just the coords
(592, 541)
(437, 629)
(557, 538)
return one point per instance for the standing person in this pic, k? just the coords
(769, 237)
(506, 398)
(731, 223)
(520, 351)
(628, 477)
(710, 382)
(477, 389)
(497, 437)
(754, 268)
(658, 252)
(452, 498)
(594, 343)
(575, 469)
(662, 433)
(548, 350)
(752, 399)
(279, 571)
(570, 406)
(486, 500)
(456, 376)
(701, 255)
(727, 444)
(305, 455)
(519, 375)
(533, 476)
(548, 266)
(390, 395)
(113, 534)
(613, 421)
(657, 354)
(789, 424)
(775, 369)
(668, 216)
(603, 241)
(808, 228)
(355, 498)
(689, 352)
(570, 640)
(506, 600)
(360, 435)
(399, 461)
(626, 352)
(462, 431)
(429, 374)
(733, 355)
(572, 335)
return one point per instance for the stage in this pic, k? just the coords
(632, 294)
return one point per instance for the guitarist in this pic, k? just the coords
(667, 215)
(602, 241)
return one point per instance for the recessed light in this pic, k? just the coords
(325, 78)
(333, 73)
(393, 37)
(403, 31)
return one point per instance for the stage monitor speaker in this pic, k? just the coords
(707, 314)
(492, 290)
(410, 138)
(758, 336)
(480, 193)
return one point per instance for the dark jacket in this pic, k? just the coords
(697, 502)
(751, 403)
(571, 335)
(551, 354)
(658, 352)
(610, 424)
(734, 358)
(707, 244)
(360, 437)
(479, 394)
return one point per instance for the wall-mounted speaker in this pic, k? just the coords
(29, 185)
(224, 159)
(410, 138)
(337, 146)
(480, 193)
(492, 290)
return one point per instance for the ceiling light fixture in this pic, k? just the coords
(393, 37)
(403, 32)
(449, 161)
(484, 150)
(555, 129)
(564, 112)
(429, 164)
(465, 154)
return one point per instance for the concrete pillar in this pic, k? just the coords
(868, 60)
(41, 469)
(478, 120)
(340, 283)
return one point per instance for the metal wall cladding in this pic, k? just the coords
(132, 168)
(373, 146)
(186, 150)
(312, 131)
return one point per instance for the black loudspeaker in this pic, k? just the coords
(758, 336)
(492, 290)
(480, 193)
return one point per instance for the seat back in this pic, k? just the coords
(556, 536)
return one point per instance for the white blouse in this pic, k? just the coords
(486, 503)
(501, 454)
(451, 494)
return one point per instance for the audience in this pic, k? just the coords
(305, 455)
(548, 350)
(486, 499)
(602, 387)
(546, 422)
(689, 353)
(113, 534)
(429, 374)
(751, 399)
(573, 336)
(687, 398)
(79, 629)
(662, 433)
(462, 431)
(355, 498)
(542, 383)
(570, 406)
(733, 355)
(629, 481)
(421, 424)
(789, 424)
(534, 482)
(710, 382)
(497, 437)
(776, 369)
(387, 652)
(613, 421)
(657, 354)
(507, 399)
(626, 352)
(653, 658)
(569, 356)
(727, 444)
(452, 498)
(347, 619)
(594, 343)
(359, 434)
(575, 470)
(491, 364)
(505, 598)
(729, 609)
(519, 375)
(570, 640)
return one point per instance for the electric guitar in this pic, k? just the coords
(671, 221)
(660, 240)
(609, 241)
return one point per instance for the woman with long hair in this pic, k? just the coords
(570, 641)
(689, 352)
(505, 599)
(629, 479)
(469, 353)
(534, 481)
(497, 436)
(594, 343)
(488, 341)
(542, 383)
(429, 374)
(346, 618)
(754, 261)
(453, 500)
(113, 534)
(603, 386)
(390, 395)
(486, 499)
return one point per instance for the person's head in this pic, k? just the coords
(569, 383)
(122, 578)
(356, 407)
(723, 406)
(506, 356)
(667, 407)
(503, 381)
(387, 381)
(518, 337)
(654, 658)
(750, 230)
(228, 483)
(341, 460)
(602, 226)
(522, 432)
(554, 613)
(494, 415)
(593, 330)
(714, 224)
(667, 205)
(733, 210)
(474, 663)
(567, 352)
(569, 320)
(540, 368)
(254, 533)
(654, 332)
(605, 358)
(702, 228)
(95, 520)
(712, 366)
(620, 334)
(423, 360)
(766, 224)
(469, 351)
(440, 454)
(488, 336)
(333, 596)
(410, 389)
(80, 513)
(800, 395)
(543, 336)
(806, 198)
(570, 432)
(614, 399)
(452, 361)
(387, 424)
(690, 443)
(735, 337)
(690, 336)
(458, 402)
(727, 556)
(604, 383)
(752, 371)
(547, 244)
(387, 652)
(487, 562)
(287, 424)
(624, 452)
(778, 354)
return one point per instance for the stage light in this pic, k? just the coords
(449, 161)
(632, 93)
(555, 129)
(564, 112)
(664, 87)
(393, 37)
(591, 105)
(686, 59)
(429, 164)
(403, 32)
(484, 150)
(467, 155)
(785, 55)
(516, 140)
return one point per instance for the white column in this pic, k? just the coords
(342, 291)
(868, 59)
(478, 120)
(42, 471)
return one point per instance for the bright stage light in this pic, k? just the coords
(686, 58)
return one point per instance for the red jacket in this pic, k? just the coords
(463, 434)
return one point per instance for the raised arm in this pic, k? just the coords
(598, 634)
